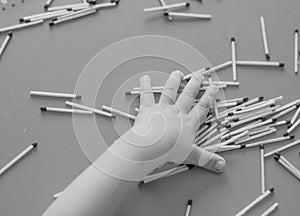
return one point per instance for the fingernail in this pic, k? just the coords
(220, 166)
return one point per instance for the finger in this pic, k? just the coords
(146, 93)
(207, 160)
(169, 93)
(191, 90)
(199, 111)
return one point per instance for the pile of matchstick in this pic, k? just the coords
(60, 14)
(168, 11)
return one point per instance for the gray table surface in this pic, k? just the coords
(52, 59)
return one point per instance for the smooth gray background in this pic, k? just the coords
(52, 59)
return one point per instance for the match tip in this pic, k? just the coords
(271, 189)
(292, 136)
(232, 39)
(208, 123)
(261, 147)
(43, 109)
(263, 118)
(281, 64)
(267, 56)
(21, 20)
(245, 99)
(230, 114)
(128, 92)
(69, 9)
(190, 202)
(235, 119)
(272, 105)
(34, 145)
(190, 166)
(274, 120)
(78, 96)
(239, 103)
(228, 126)
(296, 30)
(243, 146)
(166, 14)
(10, 34)
(286, 134)
(276, 158)
(207, 68)
(51, 24)
(46, 6)
(187, 4)
(239, 109)
(260, 98)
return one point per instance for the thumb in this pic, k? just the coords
(206, 159)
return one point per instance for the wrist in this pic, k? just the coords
(130, 162)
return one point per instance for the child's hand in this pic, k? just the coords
(165, 131)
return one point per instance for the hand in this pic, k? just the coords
(165, 131)
(171, 125)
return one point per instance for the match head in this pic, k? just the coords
(166, 14)
(190, 166)
(54, 19)
(34, 145)
(190, 202)
(10, 34)
(292, 136)
(296, 30)
(271, 189)
(230, 114)
(207, 68)
(228, 126)
(276, 158)
(232, 39)
(239, 109)
(21, 20)
(243, 146)
(51, 24)
(208, 123)
(281, 64)
(267, 56)
(78, 96)
(43, 109)
(187, 4)
(274, 120)
(46, 6)
(128, 92)
(286, 134)
(235, 119)
(245, 99)
(263, 118)
(272, 105)
(218, 100)
(261, 147)
(288, 121)
(260, 98)
(239, 103)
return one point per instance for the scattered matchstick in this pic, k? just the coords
(18, 157)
